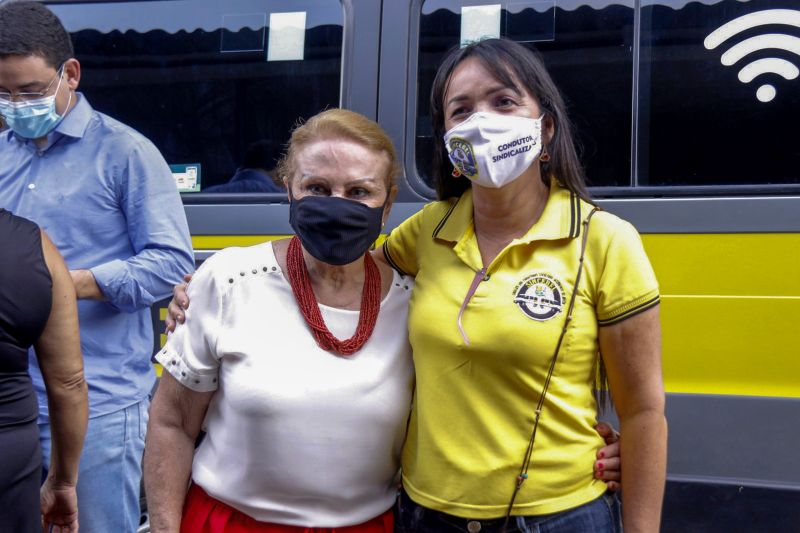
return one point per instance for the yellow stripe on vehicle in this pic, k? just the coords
(761, 264)
(729, 308)
(218, 242)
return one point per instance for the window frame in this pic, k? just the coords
(357, 84)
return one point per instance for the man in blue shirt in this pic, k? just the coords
(107, 198)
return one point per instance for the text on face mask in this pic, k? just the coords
(512, 144)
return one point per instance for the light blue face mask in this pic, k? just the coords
(33, 119)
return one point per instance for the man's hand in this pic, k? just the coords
(178, 305)
(59, 507)
(85, 285)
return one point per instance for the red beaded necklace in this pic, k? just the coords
(307, 301)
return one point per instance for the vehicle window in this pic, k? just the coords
(588, 49)
(216, 84)
(702, 122)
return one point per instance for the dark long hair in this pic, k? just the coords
(511, 64)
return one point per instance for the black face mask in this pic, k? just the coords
(335, 230)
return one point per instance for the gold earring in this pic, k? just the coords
(545, 157)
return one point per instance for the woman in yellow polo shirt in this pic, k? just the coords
(525, 293)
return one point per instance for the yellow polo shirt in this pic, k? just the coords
(474, 404)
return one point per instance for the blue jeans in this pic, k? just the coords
(598, 516)
(110, 475)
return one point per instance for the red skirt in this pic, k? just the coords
(204, 514)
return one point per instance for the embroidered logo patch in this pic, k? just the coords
(462, 157)
(540, 296)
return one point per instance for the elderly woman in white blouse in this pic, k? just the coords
(294, 358)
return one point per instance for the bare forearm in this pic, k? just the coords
(644, 451)
(167, 468)
(69, 408)
(86, 287)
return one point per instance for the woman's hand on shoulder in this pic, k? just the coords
(378, 255)
(176, 311)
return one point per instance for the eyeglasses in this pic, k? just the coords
(6, 96)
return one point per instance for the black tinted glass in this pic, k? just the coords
(218, 83)
(704, 123)
(588, 52)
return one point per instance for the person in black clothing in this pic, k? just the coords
(255, 173)
(37, 308)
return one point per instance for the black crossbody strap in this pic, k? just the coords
(526, 462)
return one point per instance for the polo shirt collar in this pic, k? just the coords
(456, 220)
(560, 219)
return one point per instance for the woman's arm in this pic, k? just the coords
(180, 301)
(631, 351)
(58, 351)
(176, 415)
(379, 256)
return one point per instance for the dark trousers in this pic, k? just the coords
(597, 516)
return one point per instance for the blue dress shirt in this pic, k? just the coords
(107, 199)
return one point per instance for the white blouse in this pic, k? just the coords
(295, 435)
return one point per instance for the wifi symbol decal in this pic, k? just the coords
(774, 65)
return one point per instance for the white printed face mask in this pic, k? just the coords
(493, 150)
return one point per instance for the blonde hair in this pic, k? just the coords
(340, 123)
